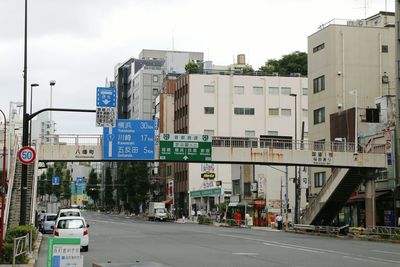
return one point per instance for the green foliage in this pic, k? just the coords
(92, 189)
(17, 231)
(222, 206)
(42, 185)
(133, 176)
(66, 186)
(108, 191)
(191, 67)
(203, 219)
(295, 62)
(247, 69)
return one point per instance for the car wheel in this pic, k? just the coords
(85, 248)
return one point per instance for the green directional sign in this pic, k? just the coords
(185, 147)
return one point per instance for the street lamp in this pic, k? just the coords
(3, 184)
(355, 93)
(30, 123)
(297, 181)
(52, 83)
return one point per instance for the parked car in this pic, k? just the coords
(73, 227)
(49, 220)
(69, 212)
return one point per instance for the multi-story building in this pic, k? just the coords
(350, 67)
(222, 104)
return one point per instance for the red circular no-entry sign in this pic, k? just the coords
(26, 155)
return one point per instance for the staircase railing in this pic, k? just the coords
(11, 175)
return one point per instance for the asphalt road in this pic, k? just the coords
(120, 239)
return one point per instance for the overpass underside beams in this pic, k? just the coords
(339, 196)
(15, 203)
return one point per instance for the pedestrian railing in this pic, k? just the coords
(391, 232)
(22, 245)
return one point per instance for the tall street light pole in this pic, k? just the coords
(3, 184)
(30, 123)
(296, 179)
(24, 170)
(52, 83)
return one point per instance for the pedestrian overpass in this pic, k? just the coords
(350, 166)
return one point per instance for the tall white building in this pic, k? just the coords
(227, 105)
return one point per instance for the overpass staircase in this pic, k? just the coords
(338, 189)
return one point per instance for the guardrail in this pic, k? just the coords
(22, 245)
(320, 229)
(383, 231)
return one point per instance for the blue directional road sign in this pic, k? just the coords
(55, 180)
(79, 180)
(106, 97)
(129, 140)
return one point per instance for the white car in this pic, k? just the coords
(49, 220)
(69, 212)
(73, 227)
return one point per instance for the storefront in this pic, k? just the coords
(259, 212)
(205, 200)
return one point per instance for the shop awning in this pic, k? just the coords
(168, 201)
(242, 203)
(361, 196)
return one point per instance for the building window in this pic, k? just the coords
(286, 112)
(274, 133)
(155, 78)
(257, 90)
(208, 88)
(305, 91)
(305, 134)
(305, 112)
(244, 111)
(319, 115)
(238, 90)
(319, 179)
(208, 110)
(247, 189)
(209, 132)
(318, 47)
(385, 49)
(273, 111)
(273, 90)
(319, 84)
(249, 133)
(155, 91)
(286, 90)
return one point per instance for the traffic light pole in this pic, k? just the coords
(24, 173)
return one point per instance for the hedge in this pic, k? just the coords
(16, 231)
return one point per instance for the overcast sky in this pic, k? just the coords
(78, 42)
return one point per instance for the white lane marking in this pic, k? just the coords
(293, 247)
(384, 260)
(245, 253)
(387, 252)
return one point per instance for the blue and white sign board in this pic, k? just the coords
(106, 97)
(129, 140)
(79, 180)
(106, 112)
(55, 180)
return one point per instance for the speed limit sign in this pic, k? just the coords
(26, 155)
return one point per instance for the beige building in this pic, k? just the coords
(349, 62)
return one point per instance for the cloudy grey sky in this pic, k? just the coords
(78, 42)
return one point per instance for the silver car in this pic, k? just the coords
(47, 223)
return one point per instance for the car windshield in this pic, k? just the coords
(69, 213)
(51, 218)
(70, 224)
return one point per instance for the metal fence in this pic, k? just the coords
(384, 231)
(22, 245)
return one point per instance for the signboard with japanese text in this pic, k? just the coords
(63, 252)
(129, 140)
(185, 147)
(106, 112)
